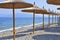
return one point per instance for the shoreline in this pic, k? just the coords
(10, 29)
(17, 28)
(24, 32)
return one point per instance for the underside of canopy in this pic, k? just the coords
(17, 4)
(36, 11)
(54, 2)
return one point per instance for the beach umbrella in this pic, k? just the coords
(35, 10)
(53, 14)
(14, 4)
(50, 13)
(49, 18)
(57, 17)
(54, 2)
(53, 18)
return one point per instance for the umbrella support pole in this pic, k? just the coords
(13, 23)
(34, 19)
(43, 21)
(49, 20)
(33, 22)
(55, 19)
(52, 19)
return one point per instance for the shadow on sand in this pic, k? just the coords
(53, 29)
(46, 29)
(46, 37)
(30, 30)
(10, 37)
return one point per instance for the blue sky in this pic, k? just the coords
(39, 3)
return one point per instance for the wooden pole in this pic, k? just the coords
(49, 20)
(13, 23)
(43, 21)
(55, 19)
(33, 19)
(52, 19)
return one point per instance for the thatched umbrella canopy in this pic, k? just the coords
(54, 2)
(14, 4)
(17, 4)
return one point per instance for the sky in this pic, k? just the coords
(18, 13)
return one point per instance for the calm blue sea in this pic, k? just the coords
(6, 23)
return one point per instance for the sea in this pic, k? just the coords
(6, 22)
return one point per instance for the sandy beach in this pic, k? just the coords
(25, 33)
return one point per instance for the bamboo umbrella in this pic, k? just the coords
(59, 15)
(54, 2)
(14, 4)
(49, 18)
(35, 10)
(50, 13)
(55, 18)
(38, 11)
